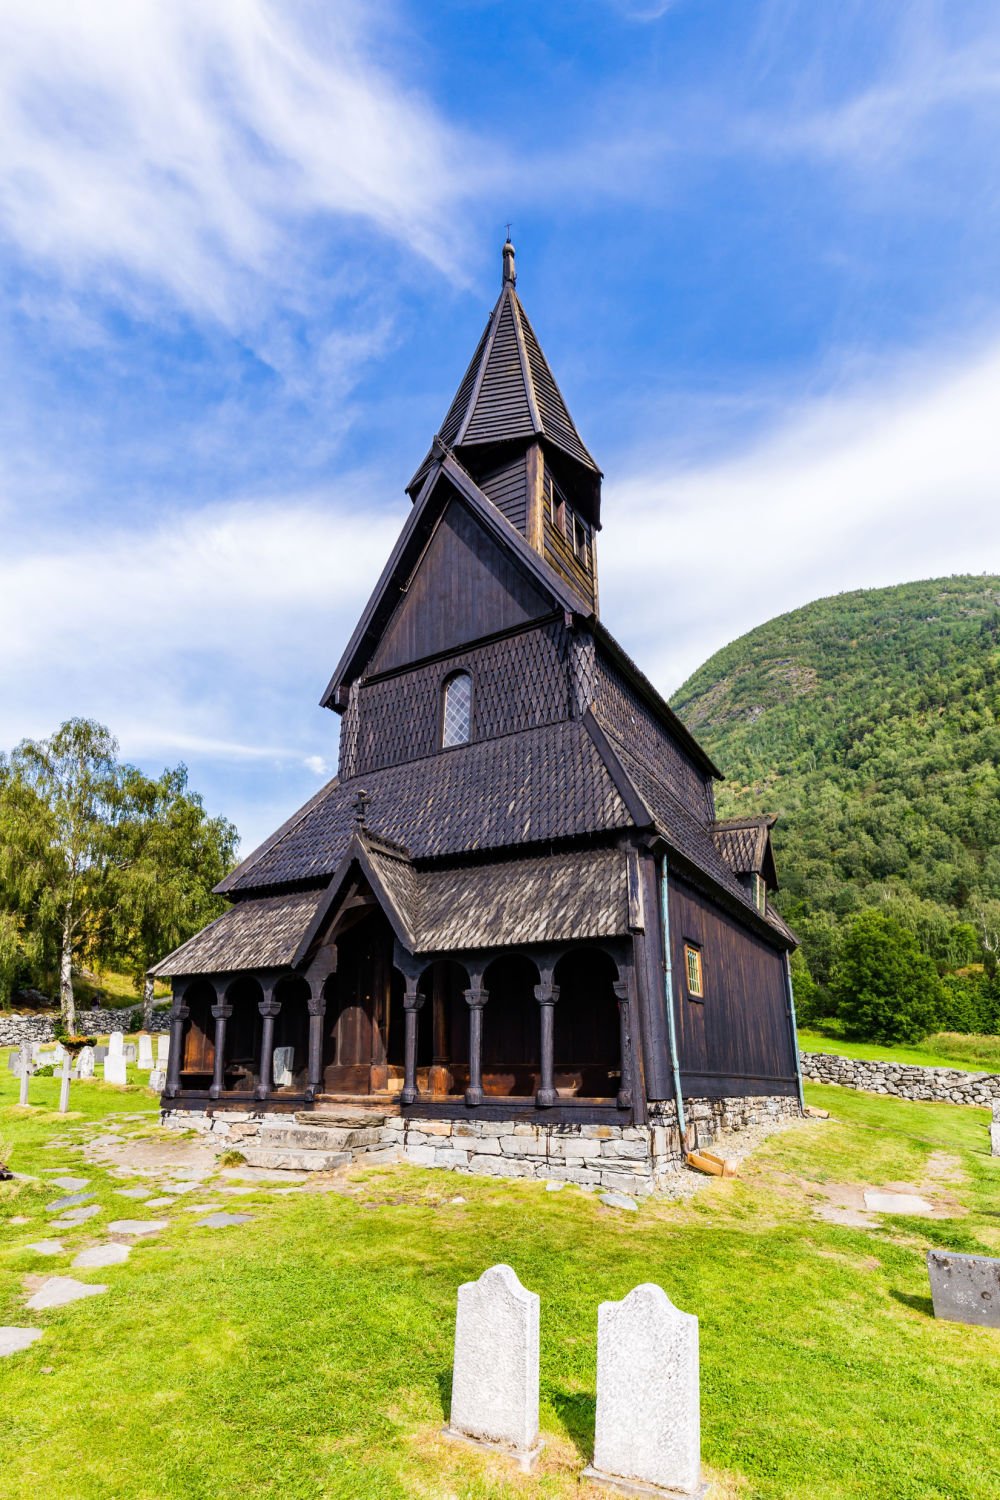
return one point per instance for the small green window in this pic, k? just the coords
(760, 893)
(692, 965)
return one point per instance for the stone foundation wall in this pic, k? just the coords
(948, 1085)
(635, 1159)
(15, 1029)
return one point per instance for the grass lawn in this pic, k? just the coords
(945, 1049)
(308, 1354)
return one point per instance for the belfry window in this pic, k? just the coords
(456, 717)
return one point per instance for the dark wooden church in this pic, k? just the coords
(514, 902)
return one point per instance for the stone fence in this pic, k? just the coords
(16, 1029)
(948, 1085)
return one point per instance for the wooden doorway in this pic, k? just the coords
(357, 1014)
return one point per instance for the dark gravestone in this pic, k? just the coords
(130, 1052)
(965, 1288)
(100, 1053)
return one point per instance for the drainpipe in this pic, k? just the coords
(668, 995)
(790, 994)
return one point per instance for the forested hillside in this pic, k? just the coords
(871, 723)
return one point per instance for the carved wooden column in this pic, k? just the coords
(317, 1010)
(547, 994)
(222, 1013)
(178, 1015)
(624, 1100)
(476, 997)
(412, 1002)
(269, 1009)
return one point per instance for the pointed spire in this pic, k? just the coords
(508, 392)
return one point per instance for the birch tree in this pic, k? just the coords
(60, 800)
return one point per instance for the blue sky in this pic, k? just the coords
(246, 250)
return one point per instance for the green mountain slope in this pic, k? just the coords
(871, 722)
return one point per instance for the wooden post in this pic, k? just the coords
(269, 1009)
(178, 1015)
(547, 994)
(476, 997)
(221, 1013)
(412, 1002)
(624, 1100)
(317, 1010)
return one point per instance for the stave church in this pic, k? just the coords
(510, 935)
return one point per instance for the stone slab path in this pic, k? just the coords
(76, 1216)
(135, 1192)
(99, 1256)
(898, 1203)
(71, 1184)
(71, 1202)
(13, 1340)
(59, 1290)
(47, 1247)
(137, 1227)
(222, 1221)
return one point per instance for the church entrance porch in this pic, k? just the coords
(363, 1012)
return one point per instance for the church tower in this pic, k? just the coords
(510, 428)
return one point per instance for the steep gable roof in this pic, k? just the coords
(745, 845)
(445, 479)
(509, 392)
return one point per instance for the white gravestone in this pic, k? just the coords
(494, 1394)
(67, 1074)
(114, 1068)
(648, 1428)
(145, 1052)
(86, 1062)
(26, 1069)
(157, 1080)
(284, 1062)
(995, 1129)
(116, 1044)
(162, 1051)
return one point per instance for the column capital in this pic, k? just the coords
(476, 997)
(546, 993)
(413, 999)
(222, 1012)
(179, 1011)
(269, 1007)
(317, 1003)
(620, 988)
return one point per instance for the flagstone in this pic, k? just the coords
(60, 1290)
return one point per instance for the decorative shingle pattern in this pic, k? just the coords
(543, 784)
(631, 724)
(742, 843)
(557, 423)
(254, 934)
(501, 407)
(573, 896)
(519, 682)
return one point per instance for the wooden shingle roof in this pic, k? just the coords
(509, 392)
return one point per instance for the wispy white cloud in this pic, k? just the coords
(178, 148)
(896, 479)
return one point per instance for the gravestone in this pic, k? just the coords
(130, 1052)
(27, 1067)
(115, 1069)
(648, 1427)
(284, 1062)
(158, 1080)
(67, 1074)
(965, 1288)
(87, 1064)
(100, 1053)
(995, 1129)
(494, 1396)
(162, 1050)
(14, 1063)
(146, 1060)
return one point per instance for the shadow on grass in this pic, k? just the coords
(444, 1393)
(919, 1304)
(576, 1411)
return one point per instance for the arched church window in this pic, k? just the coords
(456, 720)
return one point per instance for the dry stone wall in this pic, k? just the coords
(16, 1029)
(948, 1085)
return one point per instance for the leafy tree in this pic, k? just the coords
(59, 801)
(886, 989)
(168, 855)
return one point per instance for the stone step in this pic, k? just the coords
(290, 1160)
(320, 1138)
(341, 1117)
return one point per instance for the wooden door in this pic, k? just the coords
(358, 1011)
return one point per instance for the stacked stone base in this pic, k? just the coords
(634, 1159)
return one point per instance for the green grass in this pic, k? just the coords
(308, 1355)
(945, 1049)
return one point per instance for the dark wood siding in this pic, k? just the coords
(560, 555)
(464, 587)
(507, 487)
(737, 1040)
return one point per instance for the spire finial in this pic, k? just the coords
(509, 269)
